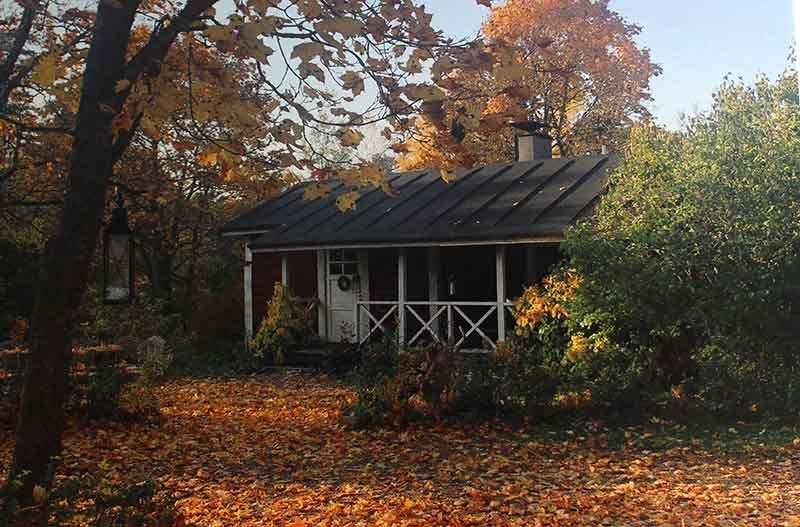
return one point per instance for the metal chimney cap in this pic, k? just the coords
(529, 126)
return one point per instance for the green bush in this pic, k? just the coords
(373, 404)
(690, 267)
(101, 323)
(104, 390)
(435, 380)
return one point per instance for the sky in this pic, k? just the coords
(696, 42)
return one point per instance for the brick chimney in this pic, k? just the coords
(530, 142)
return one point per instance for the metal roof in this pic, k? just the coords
(531, 200)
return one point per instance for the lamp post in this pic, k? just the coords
(118, 257)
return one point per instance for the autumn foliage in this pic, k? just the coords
(273, 450)
(573, 65)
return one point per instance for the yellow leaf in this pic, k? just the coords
(307, 51)
(350, 137)
(122, 85)
(352, 81)
(511, 72)
(207, 159)
(265, 26)
(309, 8)
(39, 495)
(347, 201)
(349, 27)
(425, 93)
(316, 191)
(46, 70)
(218, 33)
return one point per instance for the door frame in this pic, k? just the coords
(361, 294)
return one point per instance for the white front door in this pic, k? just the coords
(346, 282)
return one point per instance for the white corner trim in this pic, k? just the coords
(248, 294)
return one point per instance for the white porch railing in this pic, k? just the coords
(430, 316)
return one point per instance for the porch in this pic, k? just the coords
(460, 295)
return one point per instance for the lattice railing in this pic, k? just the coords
(442, 322)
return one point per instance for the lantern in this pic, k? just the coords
(118, 257)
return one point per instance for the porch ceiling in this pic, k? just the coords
(500, 202)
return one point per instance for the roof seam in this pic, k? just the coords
(361, 213)
(463, 198)
(313, 211)
(335, 211)
(434, 198)
(268, 205)
(533, 192)
(564, 195)
(500, 194)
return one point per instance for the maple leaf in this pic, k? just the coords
(307, 51)
(316, 191)
(510, 72)
(352, 81)
(349, 27)
(424, 92)
(122, 85)
(219, 33)
(309, 8)
(350, 137)
(347, 201)
(45, 72)
(207, 159)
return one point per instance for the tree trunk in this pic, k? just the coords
(65, 264)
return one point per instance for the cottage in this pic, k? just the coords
(433, 261)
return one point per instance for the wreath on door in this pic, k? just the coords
(344, 283)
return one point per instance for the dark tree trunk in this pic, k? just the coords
(65, 264)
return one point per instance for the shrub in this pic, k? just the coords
(154, 359)
(690, 266)
(379, 359)
(394, 386)
(93, 499)
(103, 393)
(373, 404)
(286, 326)
(101, 323)
(524, 376)
(137, 401)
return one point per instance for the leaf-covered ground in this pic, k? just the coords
(273, 450)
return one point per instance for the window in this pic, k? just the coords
(343, 261)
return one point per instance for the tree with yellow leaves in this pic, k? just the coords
(573, 65)
(84, 72)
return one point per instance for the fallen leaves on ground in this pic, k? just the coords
(273, 450)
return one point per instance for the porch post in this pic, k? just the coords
(285, 269)
(322, 296)
(248, 295)
(401, 295)
(434, 255)
(500, 272)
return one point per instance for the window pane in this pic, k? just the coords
(336, 255)
(350, 255)
(350, 268)
(335, 268)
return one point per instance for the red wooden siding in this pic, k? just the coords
(267, 271)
